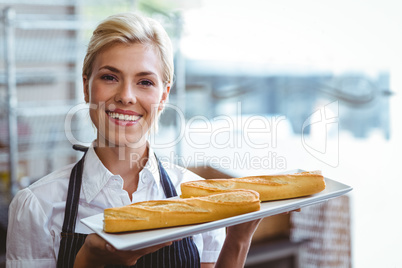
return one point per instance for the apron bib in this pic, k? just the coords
(183, 253)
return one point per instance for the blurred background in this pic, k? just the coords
(261, 87)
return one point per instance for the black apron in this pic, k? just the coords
(183, 253)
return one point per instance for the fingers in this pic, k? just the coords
(287, 212)
(130, 257)
(146, 250)
(95, 243)
(97, 249)
(110, 248)
(243, 230)
(151, 249)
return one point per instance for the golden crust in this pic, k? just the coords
(270, 187)
(175, 212)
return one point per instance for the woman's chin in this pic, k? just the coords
(125, 141)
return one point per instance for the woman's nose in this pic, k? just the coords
(126, 94)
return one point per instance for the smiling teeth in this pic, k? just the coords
(124, 117)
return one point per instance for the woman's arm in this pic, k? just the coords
(207, 265)
(96, 252)
(237, 244)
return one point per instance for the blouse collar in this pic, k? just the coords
(96, 176)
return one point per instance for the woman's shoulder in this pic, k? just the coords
(45, 192)
(50, 186)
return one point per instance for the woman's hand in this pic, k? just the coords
(242, 232)
(237, 244)
(96, 252)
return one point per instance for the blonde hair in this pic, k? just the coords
(131, 28)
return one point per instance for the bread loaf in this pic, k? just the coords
(270, 187)
(175, 212)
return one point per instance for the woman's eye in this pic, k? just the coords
(145, 83)
(108, 77)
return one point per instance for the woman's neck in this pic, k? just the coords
(124, 161)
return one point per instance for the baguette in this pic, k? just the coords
(270, 187)
(175, 212)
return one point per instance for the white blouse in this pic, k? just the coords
(36, 213)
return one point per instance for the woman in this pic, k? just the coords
(127, 75)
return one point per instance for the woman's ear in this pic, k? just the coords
(85, 83)
(164, 99)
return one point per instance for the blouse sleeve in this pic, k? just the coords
(213, 242)
(29, 241)
(209, 244)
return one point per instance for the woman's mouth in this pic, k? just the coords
(123, 118)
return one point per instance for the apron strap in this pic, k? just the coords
(67, 251)
(73, 194)
(79, 147)
(167, 184)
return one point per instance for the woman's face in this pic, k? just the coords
(125, 92)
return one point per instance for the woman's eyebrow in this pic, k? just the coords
(146, 73)
(115, 70)
(110, 68)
